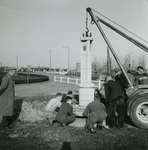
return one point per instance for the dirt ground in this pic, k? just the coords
(39, 135)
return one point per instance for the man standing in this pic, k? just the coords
(116, 103)
(121, 79)
(7, 97)
(53, 107)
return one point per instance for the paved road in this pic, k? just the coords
(43, 88)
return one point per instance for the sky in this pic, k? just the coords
(30, 29)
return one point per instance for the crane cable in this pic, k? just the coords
(120, 26)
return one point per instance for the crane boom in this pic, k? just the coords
(109, 45)
(137, 43)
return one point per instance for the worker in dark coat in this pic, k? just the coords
(96, 113)
(116, 103)
(65, 114)
(121, 79)
(7, 96)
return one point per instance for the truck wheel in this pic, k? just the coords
(139, 112)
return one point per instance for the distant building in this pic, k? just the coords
(9, 68)
(43, 69)
(78, 67)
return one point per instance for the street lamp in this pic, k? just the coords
(68, 56)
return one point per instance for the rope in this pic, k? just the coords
(120, 26)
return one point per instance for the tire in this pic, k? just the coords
(139, 112)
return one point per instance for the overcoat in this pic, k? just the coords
(96, 111)
(113, 90)
(7, 96)
(65, 114)
(121, 79)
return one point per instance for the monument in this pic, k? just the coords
(86, 87)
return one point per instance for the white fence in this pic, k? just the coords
(76, 81)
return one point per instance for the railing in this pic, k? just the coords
(76, 81)
(67, 80)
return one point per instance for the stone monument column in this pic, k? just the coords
(86, 87)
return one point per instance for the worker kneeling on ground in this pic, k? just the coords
(96, 113)
(65, 114)
(52, 108)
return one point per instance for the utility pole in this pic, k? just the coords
(68, 56)
(50, 60)
(16, 62)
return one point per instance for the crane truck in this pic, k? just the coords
(137, 101)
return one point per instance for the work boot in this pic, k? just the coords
(64, 124)
(54, 121)
(119, 126)
(85, 128)
(61, 124)
(92, 130)
(99, 127)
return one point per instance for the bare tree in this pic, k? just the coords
(98, 64)
(142, 60)
(129, 61)
(95, 64)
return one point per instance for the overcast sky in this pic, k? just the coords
(30, 28)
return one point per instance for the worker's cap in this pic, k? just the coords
(139, 67)
(97, 93)
(69, 92)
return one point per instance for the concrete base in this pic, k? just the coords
(86, 85)
(79, 122)
(86, 95)
(78, 110)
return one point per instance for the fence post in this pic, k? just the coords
(68, 80)
(60, 79)
(99, 84)
(54, 78)
(76, 81)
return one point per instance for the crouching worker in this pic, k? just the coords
(53, 107)
(65, 114)
(96, 113)
(74, 101)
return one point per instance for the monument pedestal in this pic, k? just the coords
(86, 90)
(86, 94)
(86, 87)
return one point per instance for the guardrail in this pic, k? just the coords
(76, 81)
